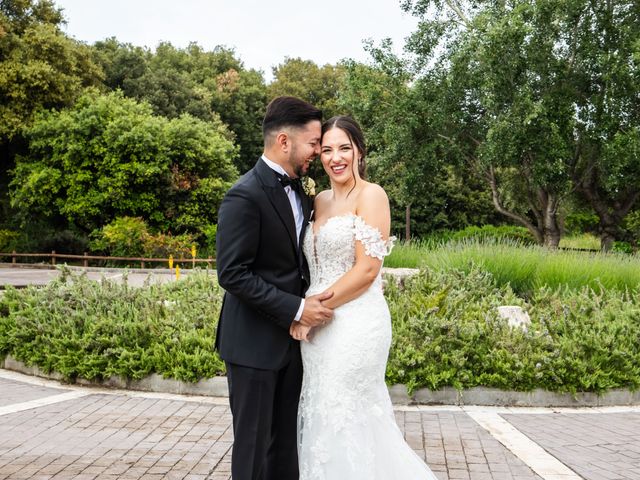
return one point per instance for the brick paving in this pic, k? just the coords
(117, 437)
(602, 446)
(148, 436)
(457, 448)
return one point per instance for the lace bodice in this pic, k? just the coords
(331, 251)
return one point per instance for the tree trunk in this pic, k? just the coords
(544, 206)
(549, 203)
(606, 241)
(407, 223)
(611, 212)
(552, 235)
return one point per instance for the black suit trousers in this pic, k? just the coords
(264, 404)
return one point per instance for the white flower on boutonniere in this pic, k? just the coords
(309, 186)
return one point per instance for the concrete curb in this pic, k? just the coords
(212, 387)
(480, 396)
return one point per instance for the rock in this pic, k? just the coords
(516, 316)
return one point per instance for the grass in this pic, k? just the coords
(525, 268)
(584, 241)
(408, 254)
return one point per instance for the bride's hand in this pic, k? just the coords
(300, 332)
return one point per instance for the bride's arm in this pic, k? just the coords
(373, 208)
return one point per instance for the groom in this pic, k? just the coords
(261, 223)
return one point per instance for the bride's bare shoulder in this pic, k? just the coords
(373, 193)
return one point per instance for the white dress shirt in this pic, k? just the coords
(296, 207)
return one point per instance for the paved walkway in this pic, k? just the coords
(23, 276)
(49, 430)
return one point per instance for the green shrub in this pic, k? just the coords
(130, 237)
(123, 237)
(8, 240)
(161, 245)
(622, 247)
(209, 233)
(447, 332)
(82, 328)
(40, 238)
(631, 225)
(581, 222)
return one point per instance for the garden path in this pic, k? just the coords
(50, 430)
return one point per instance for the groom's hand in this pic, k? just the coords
(314, 313)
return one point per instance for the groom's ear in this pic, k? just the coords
(283, 141)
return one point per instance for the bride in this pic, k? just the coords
(346, 425)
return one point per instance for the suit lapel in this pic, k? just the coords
(306, 213)
(278, 199)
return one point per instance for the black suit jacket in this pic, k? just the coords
(261, 268)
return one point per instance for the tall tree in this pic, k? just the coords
(109, 156)
(429, 187)
(606, 60)
(209, 85)
(526, 99)
(40, 68)
(304, 79)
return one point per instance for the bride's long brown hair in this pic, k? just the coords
(349, 126)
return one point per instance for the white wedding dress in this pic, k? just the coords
(346, 425)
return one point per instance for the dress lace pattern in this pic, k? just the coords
(346, 425)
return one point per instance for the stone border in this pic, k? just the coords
(481, 396)
(212, 387)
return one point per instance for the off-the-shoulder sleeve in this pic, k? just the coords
(371, 238)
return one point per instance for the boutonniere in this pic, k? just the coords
(308, 186)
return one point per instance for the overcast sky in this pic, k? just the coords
(262, 33)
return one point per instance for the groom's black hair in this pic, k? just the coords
(288, 112)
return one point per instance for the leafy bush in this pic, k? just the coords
(446, 332)
(109, 156)
(8, 240)
(209, 233)
(581, 222)
(130, 237)
(622, 247)
(123, 237)
(162, 245)
(631, 225)
(82, 328)
(64, 241)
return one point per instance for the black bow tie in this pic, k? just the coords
(287, 181)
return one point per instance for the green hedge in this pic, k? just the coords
(446, 332)
(82, 328)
